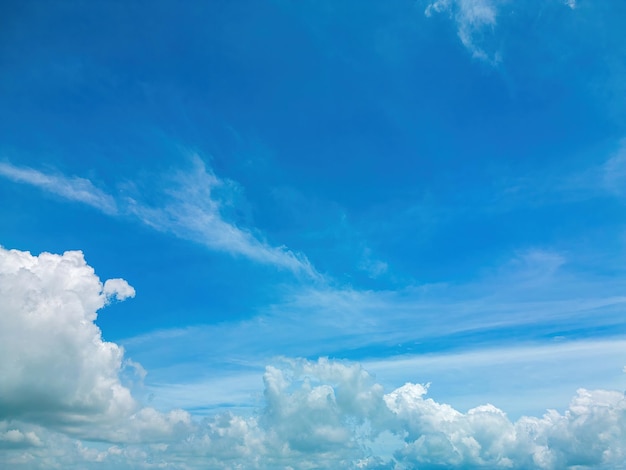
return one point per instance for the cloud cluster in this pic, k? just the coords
(62, 403)
(57, 371)
(329, 414)
(55, 366)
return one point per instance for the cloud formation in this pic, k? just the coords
(474, 19)
(55, 366)
(190, 210)
(329, 414)
(63, 404)
(193, 212)
(57, 371)
(68, 187)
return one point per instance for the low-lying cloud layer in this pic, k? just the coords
(63, 404)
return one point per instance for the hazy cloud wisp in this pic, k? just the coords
(72, 188)
(190, 211)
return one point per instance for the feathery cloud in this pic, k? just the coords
(189, 210)
(474, 18)
(72, 187)
(61, 391)
(193, 212)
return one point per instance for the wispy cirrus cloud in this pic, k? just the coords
(189, 209)
(474, 19)
(72, 188)
(614, 171)
(193, 211)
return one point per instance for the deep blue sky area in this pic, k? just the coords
(346, 130)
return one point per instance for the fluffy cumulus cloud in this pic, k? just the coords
(55, 366)
(57, 371)
(63, 405)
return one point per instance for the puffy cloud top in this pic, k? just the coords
(56, 368)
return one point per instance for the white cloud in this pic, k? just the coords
(62, 403)
(329, 414)
(474, 18)
(533, 295)
(589, 434)
(118, 289)
(476, 21)
(72, 188)
(16, 438)
(55, 366)
(56, 369)
(194, 212)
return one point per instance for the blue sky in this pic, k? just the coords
(422, 192)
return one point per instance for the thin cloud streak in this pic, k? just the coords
(475, 21)
(191, 213)
(72, 188)
(473, 18)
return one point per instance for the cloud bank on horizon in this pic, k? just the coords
(62, 389)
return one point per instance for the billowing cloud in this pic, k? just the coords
(63, 404)
(330, 414)
(14, 438)
(56, 369)
(55, 366)
(72, 187)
